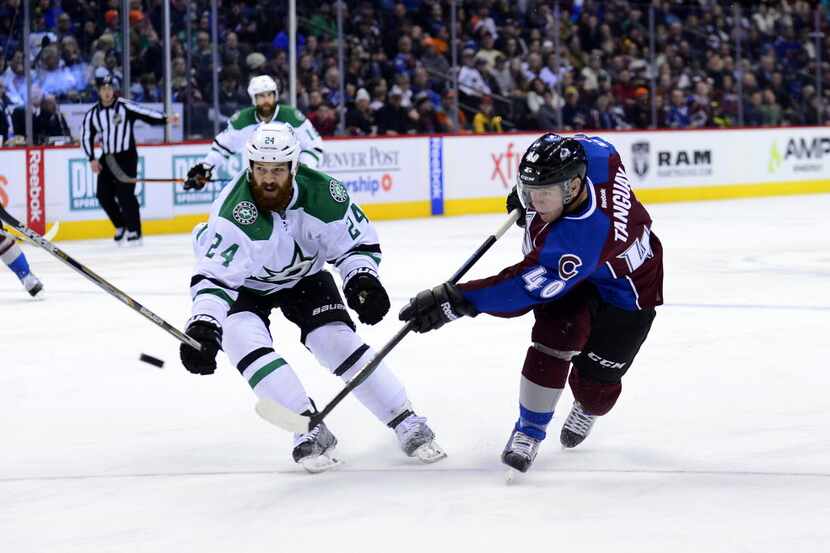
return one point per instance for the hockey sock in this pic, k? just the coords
(596, 397)
(16, 261)
(249, 347)
(543, 379)
(340, 350)
(270, 376)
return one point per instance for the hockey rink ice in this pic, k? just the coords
(720, 441)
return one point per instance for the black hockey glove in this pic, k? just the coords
(367, 297)
(206, 331)
(431, 309)
(513, 203)
(198, 176)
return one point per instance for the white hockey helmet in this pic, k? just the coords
(274, 143)
(260, 84)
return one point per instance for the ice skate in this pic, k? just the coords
(519, 453)
(315, 450)
(32, 284)
(133, 239)
(416, 437)
(577, 426)
(118, 237)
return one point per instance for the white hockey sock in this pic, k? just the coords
(339, 349)
(270, 376)
(249, 347)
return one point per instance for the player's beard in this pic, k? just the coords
(266, 111)
(276, 200)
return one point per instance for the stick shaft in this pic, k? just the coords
(38, 240)
(401, 334)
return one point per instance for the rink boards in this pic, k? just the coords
(419, 176)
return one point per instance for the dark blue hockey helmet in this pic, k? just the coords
(550, 164)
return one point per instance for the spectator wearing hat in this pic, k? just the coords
(471, 83)
(428, 121)
(435, 64)
(488, 51)
(255, 61)
(393, 118)
(360, 120)
(486, 120)
(574, 114)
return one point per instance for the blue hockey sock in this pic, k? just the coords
(20, 266)
(532, 423)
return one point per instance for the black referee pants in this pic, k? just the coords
(117, 198)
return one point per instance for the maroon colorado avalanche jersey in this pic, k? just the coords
(607, 242)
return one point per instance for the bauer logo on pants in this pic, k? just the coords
(83, 185)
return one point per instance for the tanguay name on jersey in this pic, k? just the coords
(243, 248)
(608, 242)
(243, 124)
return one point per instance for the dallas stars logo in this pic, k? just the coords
(297, 268)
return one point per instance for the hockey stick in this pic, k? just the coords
(50, 234)
(39, 240)
(122, 176)
(286, 419)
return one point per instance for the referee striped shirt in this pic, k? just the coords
(115, 124)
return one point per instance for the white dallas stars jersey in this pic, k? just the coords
(243, 248)
(243, 124)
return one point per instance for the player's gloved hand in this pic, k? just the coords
(431, 309)
(198, 176)
(205, 330)
(514, 203)
(367, 297)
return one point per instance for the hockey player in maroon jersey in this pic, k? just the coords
(592, 275)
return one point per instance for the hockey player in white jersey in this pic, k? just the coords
(269, 235)
(264, 95)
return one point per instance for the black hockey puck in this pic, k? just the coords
(151, 360)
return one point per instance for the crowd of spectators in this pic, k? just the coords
(515, 72)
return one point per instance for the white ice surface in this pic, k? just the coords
(720, 441)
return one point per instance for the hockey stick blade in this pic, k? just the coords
(53, 231)
(282, 417)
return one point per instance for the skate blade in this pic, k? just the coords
(321, 463)
(429, 453)
(512, 476)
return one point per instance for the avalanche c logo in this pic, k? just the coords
(568, 266)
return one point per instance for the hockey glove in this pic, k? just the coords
(431, 309)
(206, 331)
(367, 297)
(198, 176)
(514, 203)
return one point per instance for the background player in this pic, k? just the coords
(268, 238)
(264, 94)
(592, 274)
(13, 257)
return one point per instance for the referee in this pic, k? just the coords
(113, 119)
